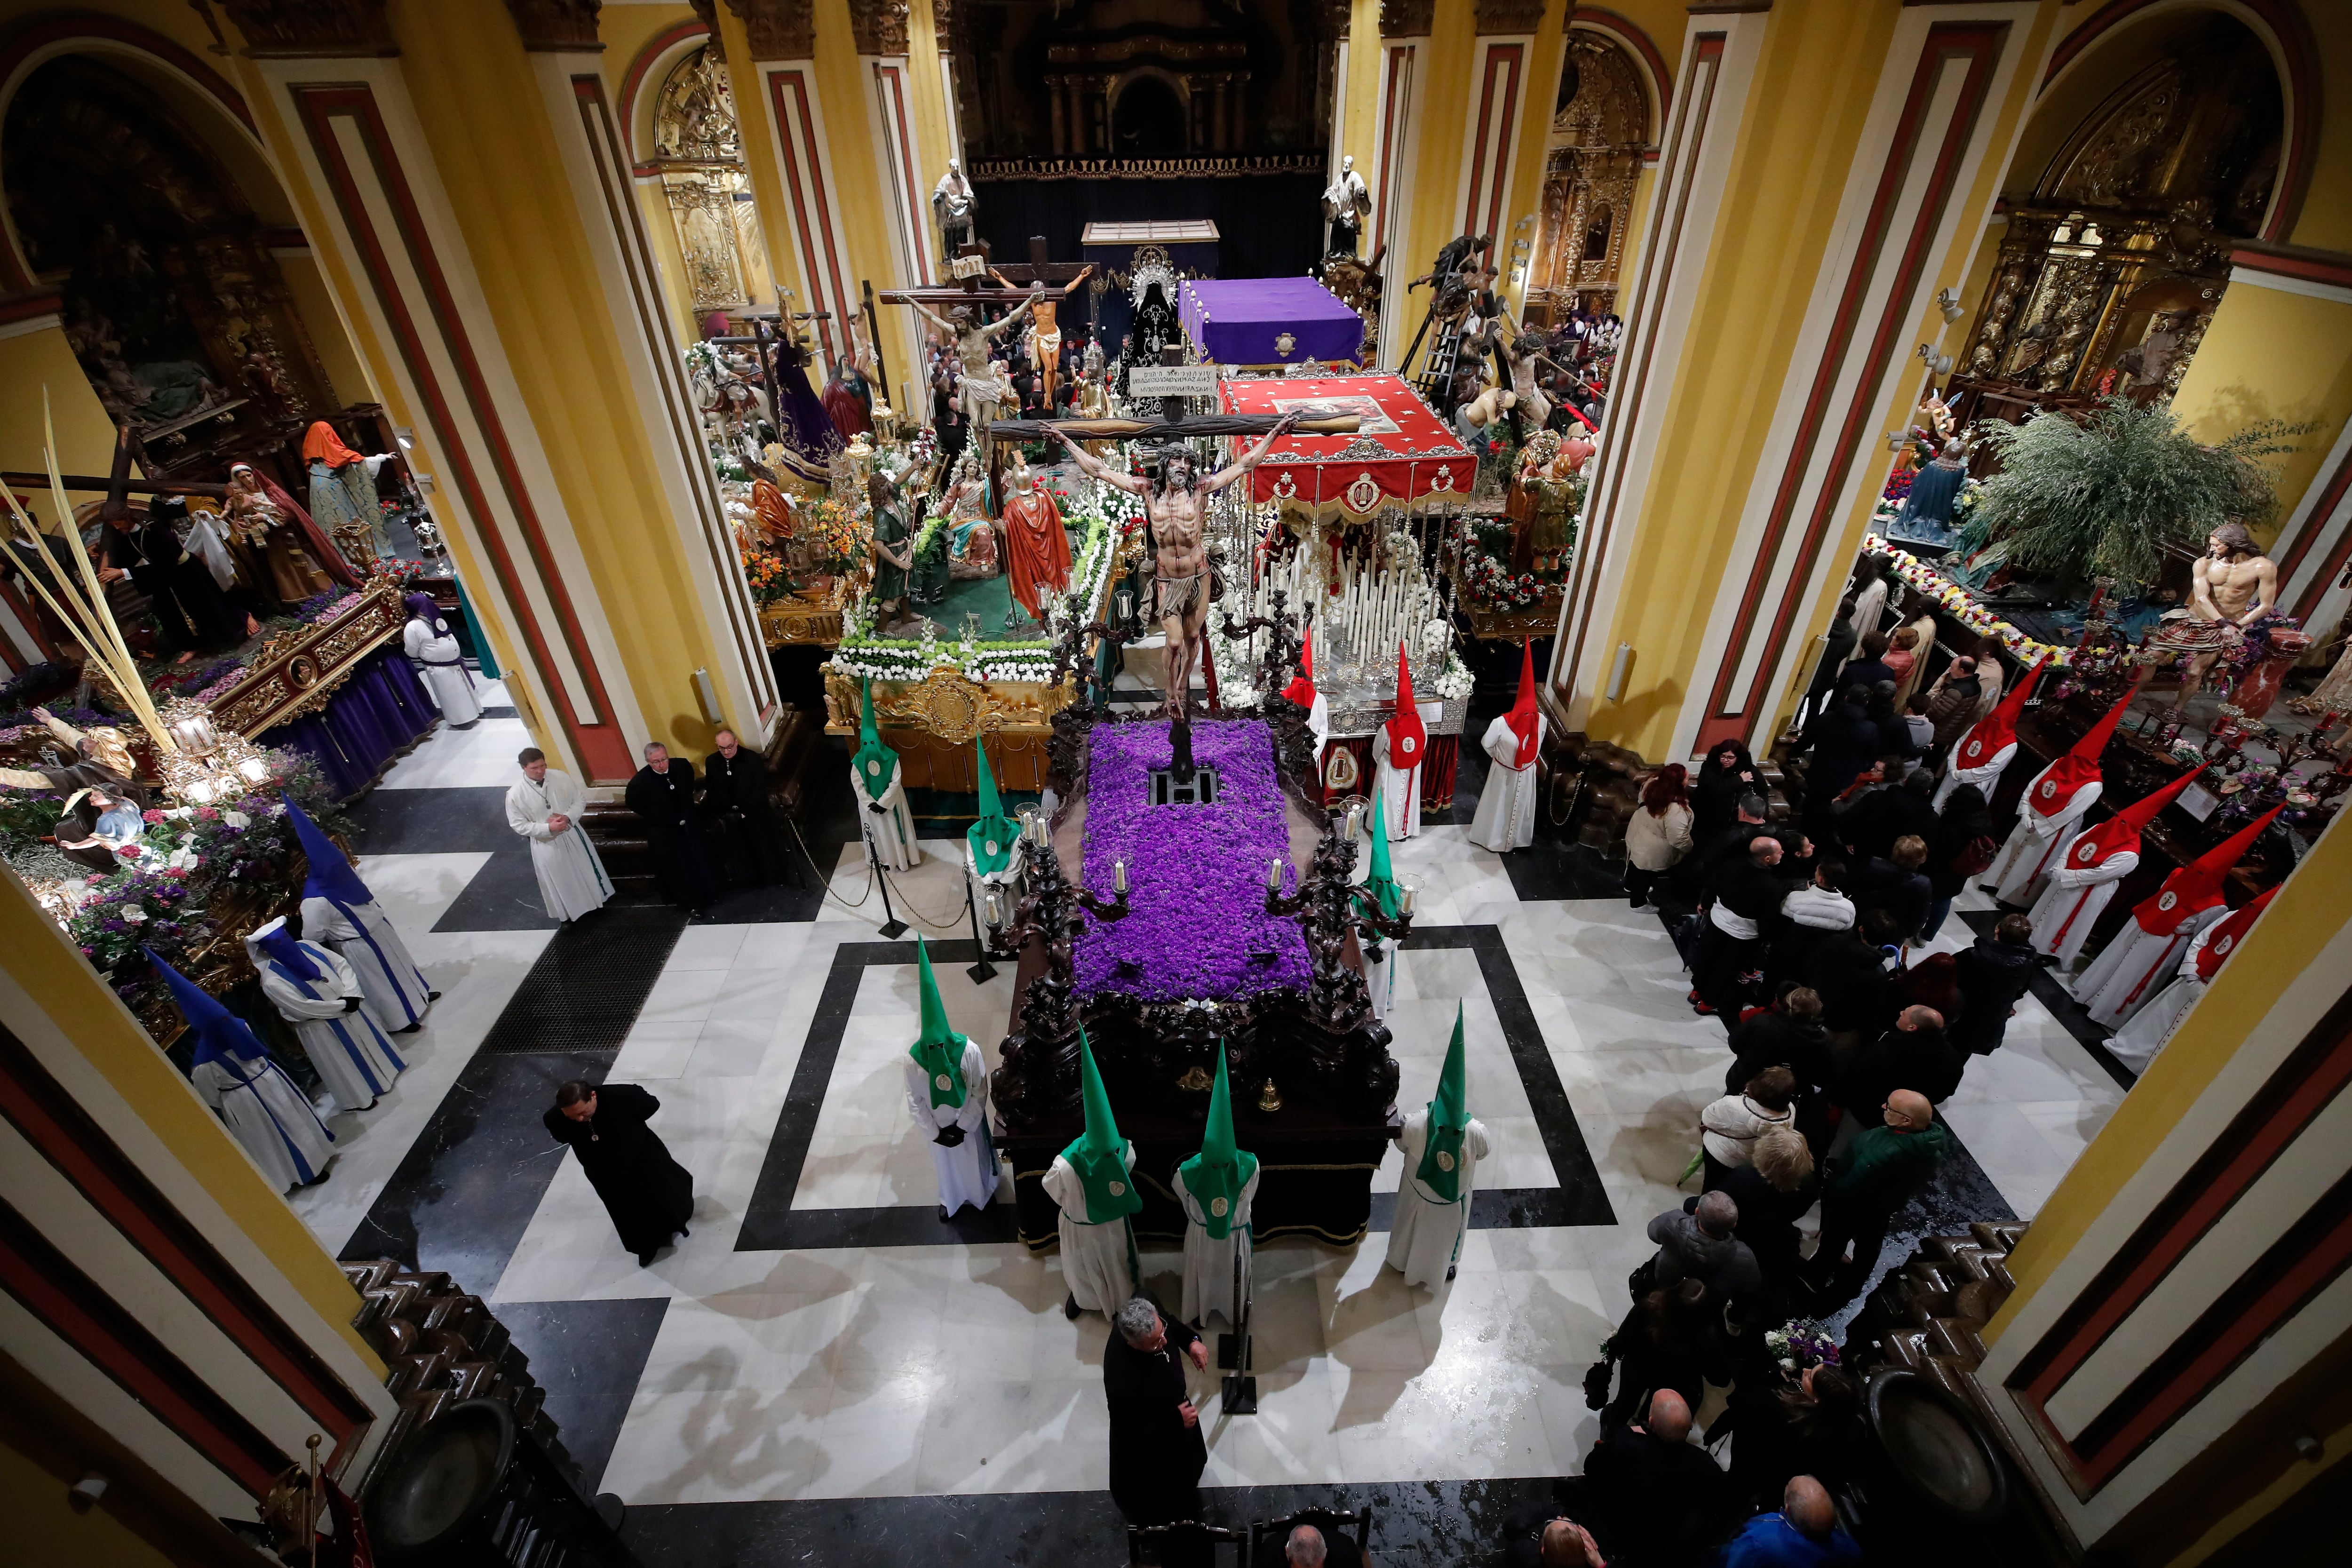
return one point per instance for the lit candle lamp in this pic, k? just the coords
(1407, 893)
(1274, 876)
(1118, 878)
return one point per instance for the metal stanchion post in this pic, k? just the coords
(982, 972)
(892, 926)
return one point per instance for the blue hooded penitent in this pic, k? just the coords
(279, 942)
(331, 876)
(218, 1032)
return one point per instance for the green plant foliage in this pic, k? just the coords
(2111, 492)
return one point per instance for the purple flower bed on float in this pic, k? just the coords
(1196, 874)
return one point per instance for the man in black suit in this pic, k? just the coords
(735, 793)
(1156, 1452)
(662, 794)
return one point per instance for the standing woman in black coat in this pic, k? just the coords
(1965, 820)
(1728, 774)
(649, 1195)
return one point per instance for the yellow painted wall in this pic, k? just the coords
(62, 985)
(2271, 355)
(2302, 920)
(347, 377)
(784, 259)
(38, 361)
(844, 88)
(1447, 86)
(626, 31)
(43, 1528)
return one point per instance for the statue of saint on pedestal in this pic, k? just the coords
(1346, 205)
(955, 204)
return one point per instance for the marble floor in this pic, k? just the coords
(821, 1340)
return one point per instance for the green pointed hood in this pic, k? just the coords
(1382, 882)
(1098, 1155)
(1218, 1174)
(873, 762)
(991, 837)
(1449, 1113)
(939, 1049)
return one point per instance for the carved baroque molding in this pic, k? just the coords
(778, 29)
(1406, 18)
(1494, 17)
(557, 26)
(878, 25)
(1339, 15)
(311, 29)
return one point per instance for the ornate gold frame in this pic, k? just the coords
(295, 673)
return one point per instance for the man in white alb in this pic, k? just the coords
(545, 806)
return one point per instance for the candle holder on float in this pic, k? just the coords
(207, 763)
(1329, 904)
(1052, 912)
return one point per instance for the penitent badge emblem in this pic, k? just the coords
(874, 765)
(2085, 854)
(2221, 948)
(1444, 1161)
(945, 1081)
(2166, 900)
(1283, 345)
(1220, 1207)
(2049, 789)
(1118, 1189)
(988, 846)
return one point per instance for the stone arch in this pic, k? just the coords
(641, 84)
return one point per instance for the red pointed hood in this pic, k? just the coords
(1301, 690)
(2225, 937)
(2078, 767)
(2119, 833)
(1522, 716)
(1407, 739)
(2197, 887)
(1999, 728)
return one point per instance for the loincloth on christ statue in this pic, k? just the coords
(1180, 595)
(2187, 634)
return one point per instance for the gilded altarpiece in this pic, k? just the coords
(2110, 272)
(1591, 165)
(698, 155)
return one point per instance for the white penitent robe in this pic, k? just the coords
(2072, 898)
(2132, 968)
(354, 1059)
(967, 1172)
(572, 880)
(1506, 818)
(1098, 1260)
(1399, 788)
(2148, 1031)
(1381, 978)
(269, 1115)
(394, 986)
(1984, 777)
(892, 829)
(436, 653)
(1425, 1236)
(2017, 871)
(1209, 1263)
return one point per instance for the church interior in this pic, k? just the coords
(1428, 781)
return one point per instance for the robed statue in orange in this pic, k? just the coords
(1036, 547)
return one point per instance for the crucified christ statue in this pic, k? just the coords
(1181, 589)
(982, 389)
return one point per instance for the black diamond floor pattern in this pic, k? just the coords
(584, 993)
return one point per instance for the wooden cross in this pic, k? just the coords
(1016, 281)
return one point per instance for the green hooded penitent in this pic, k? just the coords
(1382, 883)
(939, 1049)
(1217, 1174)
(1098, 1155)
(1449, 1113)
(875, 763)
(991, 836)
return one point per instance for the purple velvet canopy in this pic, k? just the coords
(1242, 320)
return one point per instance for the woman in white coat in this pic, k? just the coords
(234, 1075)
(947, 1091)
(319, 996)
(427, 641)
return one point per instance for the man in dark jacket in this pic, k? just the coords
(1843, 742)
(1895, 736)
(735, 793)
(1912, 1055)
(1664, 1500)
(1156, 1452)
(1994, 976)
(649, 1194)
(1850, 971)
(1883, 815)
(1871, 669)
(1864, 1190)
(662, 794)
(1743, 899)
(1787, 1034)
(1837, 646)
(1695, 874)
(1896, 884)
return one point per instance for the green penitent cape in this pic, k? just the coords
(1219, 1172)
(1382, 883)
(991, 836)
(876, 764)
(1449, 1114)
(939, 1049)
(1098, 1155)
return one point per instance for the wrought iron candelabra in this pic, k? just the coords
(1281, 656)
(1054, 910)
(1329, 904)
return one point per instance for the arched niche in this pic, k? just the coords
(1601, 134)
(171, 293)
(692, 141)
(1151, 113)
(2144, 165)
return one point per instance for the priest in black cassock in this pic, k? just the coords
(662, 794)
(190, 608)
(735, 793)
(649, 1195)
(1156, 1452)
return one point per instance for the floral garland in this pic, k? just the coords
(1486, 582)
(1954, 600)
(862, 654)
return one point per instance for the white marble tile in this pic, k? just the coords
(454, 759)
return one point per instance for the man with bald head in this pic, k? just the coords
(1805, 1533)
(1867, 1185)
(1665, 1502)
(1696, 1242)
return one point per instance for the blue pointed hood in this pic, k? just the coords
(218, 1032)
(331, 876)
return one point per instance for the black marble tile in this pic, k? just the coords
(588, 1355)
(505, 712)
(1960, 1194)
(502, 896)
(433, 822)
(462, 1197)
(2051, 993)
(1413, 1522)
(770, 1223)
(1554, 867)
(587, 986)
